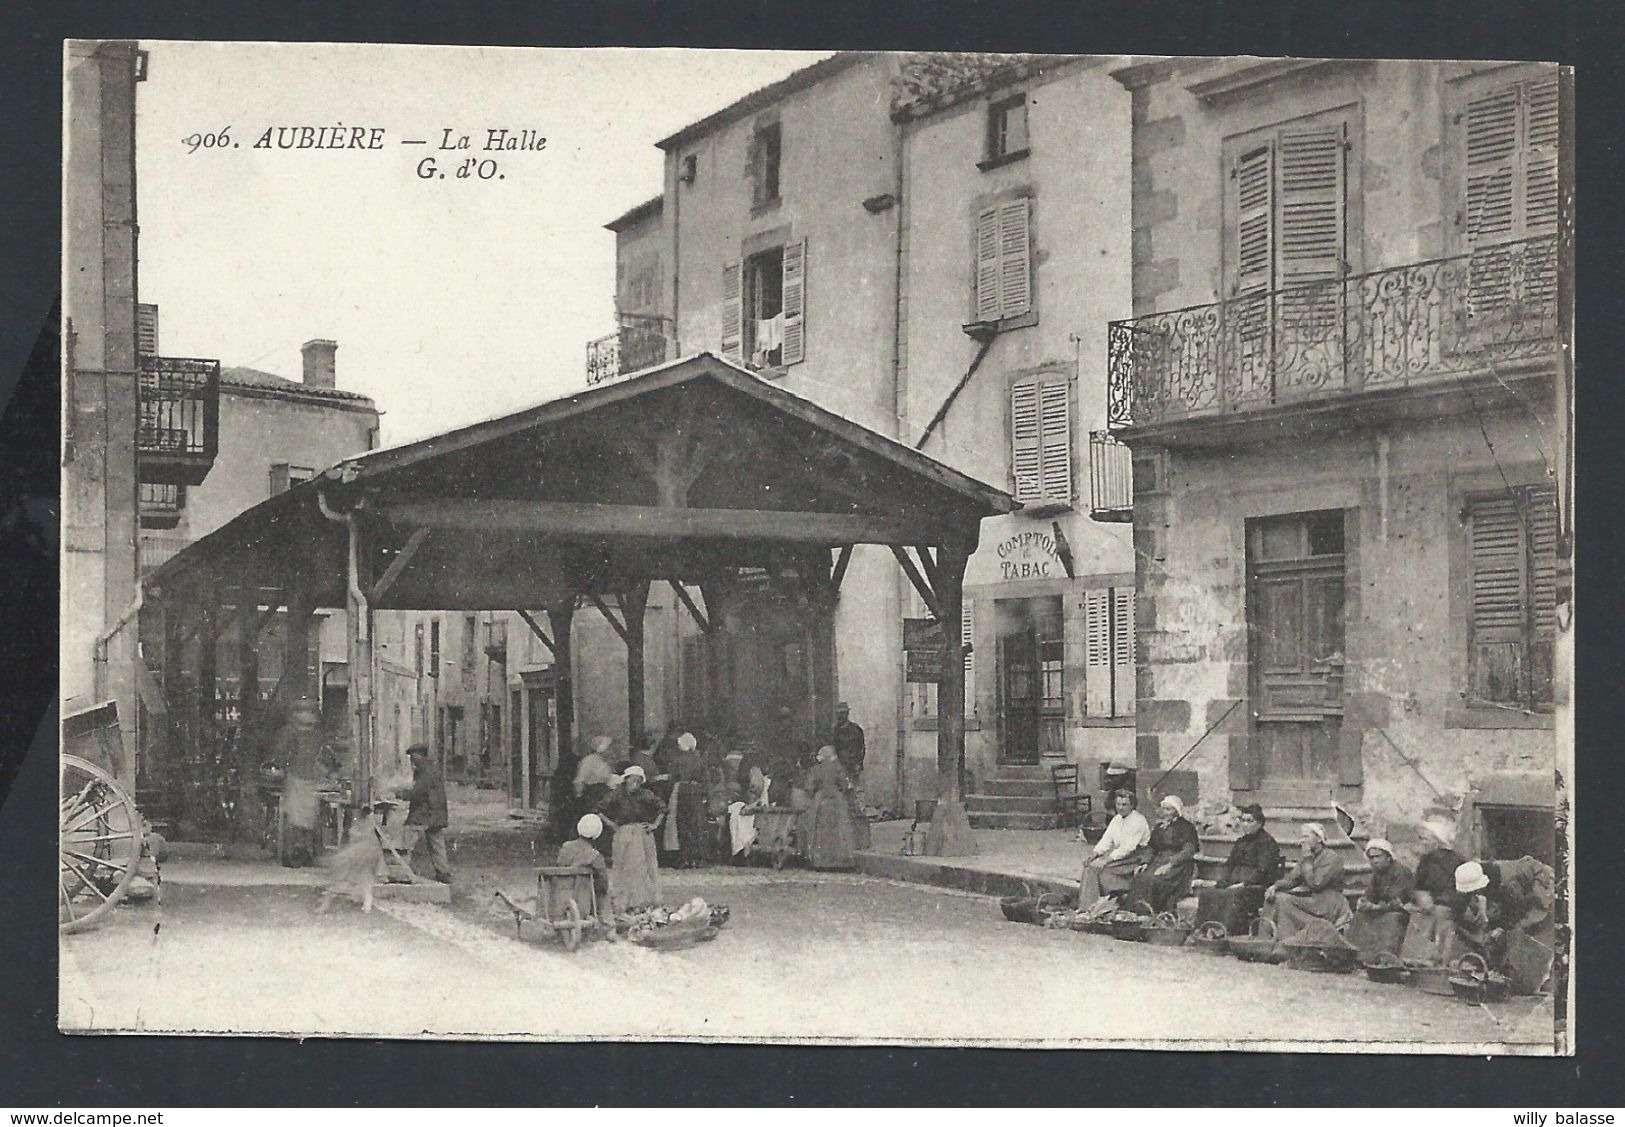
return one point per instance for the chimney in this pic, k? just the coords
(321, 369)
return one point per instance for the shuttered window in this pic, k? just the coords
(1288, 208)
(1509, 142)
(733, 312)
(795, 302)
(1513, 592)
(1041, 439)
(1004, 261)
(1109, 649)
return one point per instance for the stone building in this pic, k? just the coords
(839, 232)
(1338, 384)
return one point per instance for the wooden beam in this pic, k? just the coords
(928, 564)
(919, 582)
(609, 615)
(841, 560)
(655, 522)
(398, 564)
(688, 601)
(536, 629)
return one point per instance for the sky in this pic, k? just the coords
(451, 299)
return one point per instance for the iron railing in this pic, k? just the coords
(160, 504)
(1409, 325)
(178, 432)
(641, 342)
(1111, 479)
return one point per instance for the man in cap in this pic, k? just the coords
(426, 808)
(848, 741)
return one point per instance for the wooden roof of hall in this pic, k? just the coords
(671, 473)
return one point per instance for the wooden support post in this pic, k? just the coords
(559, 616)
(950, 834)
(360, 594)
(298, 743)
(927, 594)
(207, 742)
(633, 605)
(688, 601)
(843, 557)
(536, 629)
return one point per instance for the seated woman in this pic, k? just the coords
(1254, 863)
(1167, 875)
(753, 787)
(581, 852)
(1311, 890)
(633, 814)
(1379, 916)
(1430, 934)
(826, 825)
(1507, 917)
(1117, 856)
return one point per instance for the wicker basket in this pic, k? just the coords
(1474, 981)
(674, 937)
(1032, 909)
(1323, 958)
(1130, 926)
(1431, 978)
(1167, 931)
(1255, 947)
(1386, 968)
(1209, 939)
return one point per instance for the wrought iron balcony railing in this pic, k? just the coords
(1111, 479)
(178, 432)
(160, 505)
(641, 342)
(1410, 325)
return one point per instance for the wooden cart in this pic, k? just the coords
(566, 902)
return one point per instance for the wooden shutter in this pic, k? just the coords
(279, 478)
(1252, 260)
(967, 635)
(1540, 160)
(987, 265)
(1025, 458)
(1123, 647)
(1541, 525)
(1311, 214)
(1055, 441)
(1097, 653)
(1015, 261)
(733, 313)
(1491, 149)
(795, 302)
(1499, 600)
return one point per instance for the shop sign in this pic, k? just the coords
(922, 649)
(1029, 555)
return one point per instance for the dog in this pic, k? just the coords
(353, 870)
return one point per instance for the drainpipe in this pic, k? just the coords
(353, 569)
(99, 648)
(900, 413)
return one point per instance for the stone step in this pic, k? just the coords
(1010, 821)
(1009, 804)
(1034, 788)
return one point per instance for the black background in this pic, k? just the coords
(40, 1067)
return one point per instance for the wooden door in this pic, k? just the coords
(1019, 696)
(1295, 643)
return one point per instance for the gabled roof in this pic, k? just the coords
(933, 80)
(767, 95)
(636, 215)
(257, 380)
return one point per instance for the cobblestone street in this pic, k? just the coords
(804, 956)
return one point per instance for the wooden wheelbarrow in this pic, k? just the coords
(566, 902)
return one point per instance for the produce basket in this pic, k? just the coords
(1130, 926)
(1166, 931)
(673, 936)
(1386, 968)
(1032, 909)
(1209, 939)
(1474, 981)
(1256, 947)
(1431, 978)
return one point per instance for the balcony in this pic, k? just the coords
(178, 433)
(1492, 313)
(160, 505)
(1111, 479)
(641, 342)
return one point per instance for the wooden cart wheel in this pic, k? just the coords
(570, 929)
(99, 843)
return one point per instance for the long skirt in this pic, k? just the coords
(1111, 879)
(689, 818)
(1431, 936)
(861, 838)
(1293, 913)
(634, 879)
(830, 839)
(1163, 891)
(1379, 931)
(1235, 907)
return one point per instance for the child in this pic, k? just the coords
(353, 869)
(581, 852)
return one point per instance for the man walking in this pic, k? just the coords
(426, 808)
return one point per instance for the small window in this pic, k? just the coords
(1003, 274)
(1006, 130)
(1041, 440)
(764, 305)
(765, 151)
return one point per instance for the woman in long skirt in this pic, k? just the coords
(1121, 852)
(1166, 878)
(634, 814)
(827, 823)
